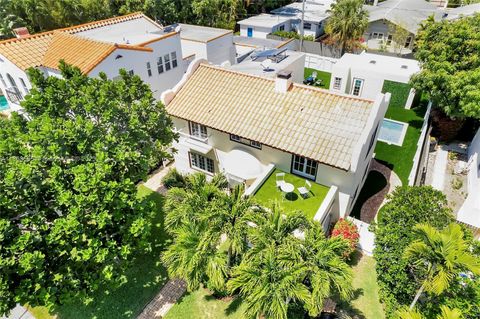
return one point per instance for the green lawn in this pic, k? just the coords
(145, 279)
(375, 182)
(365, 303)
(269, 192)
(324, 76)
(200, 304)
(400, 158)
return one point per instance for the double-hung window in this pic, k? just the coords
(160, 65)
(149, 69)
(307, 26)
(198, 130)
(201, 162)
(304, 167)
(173, 55)
(389, 39)
(408, 41)
(357, 87)
(24, 85)
(337, 83)
(166, 59)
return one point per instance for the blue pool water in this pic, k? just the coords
(392, 132)
(3, 103)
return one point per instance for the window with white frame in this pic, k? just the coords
(357, 87)
(281, 28)
(235, 138)
(256, 144)
(389, 39)
(24, 85)
(198, 130)
(337, 83)
(307, 26)
(173, 55)
(166, 59)
(3, 81)
(149, 69)
(202, 163)
(160, 65)
(245, 141)
(377, 35)
(408, 41)
(304, 167)
(130, 72)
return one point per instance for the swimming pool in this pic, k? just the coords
(392, 132)
(3, 103)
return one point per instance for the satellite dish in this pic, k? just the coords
(266, 65)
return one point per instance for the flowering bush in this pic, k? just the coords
(348, 231)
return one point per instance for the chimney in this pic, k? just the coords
(283, 81)
(21, 32)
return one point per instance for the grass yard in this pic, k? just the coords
(375, 182)
(201, 305)
(400, 158)
(145, 279)
(365, 303)
(269, 192)
(321, 75)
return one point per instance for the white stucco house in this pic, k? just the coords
(260, 25)
(406, 14)
(246, 126)
(469, 213)
(133, 42)
(366, 74)
(214, 44)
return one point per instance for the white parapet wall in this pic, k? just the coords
(366, 242)
(319, 62)
(420, 146)
(323, 215)
(260, 180)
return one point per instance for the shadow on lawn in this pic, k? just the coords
(145, 278)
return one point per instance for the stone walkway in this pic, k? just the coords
(164, 300)
(374, 203)
(174, 288)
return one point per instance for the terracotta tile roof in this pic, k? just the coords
(306, 121)
(43, 48)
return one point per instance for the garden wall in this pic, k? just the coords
(312, 47)
(423, 144)
(318, 62)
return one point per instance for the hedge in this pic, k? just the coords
(399, 92)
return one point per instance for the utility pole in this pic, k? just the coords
(302, 31)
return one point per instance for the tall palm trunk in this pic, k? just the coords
(417, 295)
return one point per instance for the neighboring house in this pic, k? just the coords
(469, 213)
(215, 45)
(288, 18)
(465, 11)
(245, 126)
(315, 16)
(387, 15)
(366, 74)
(269, 62)
(133, 42)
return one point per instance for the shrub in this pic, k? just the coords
(348, 231)
(173, 179)
(399, 91)
(293, 35)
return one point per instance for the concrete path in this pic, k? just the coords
(439, 168)
(372, 205)
(19, 312)
(154, 182)
(164, 300)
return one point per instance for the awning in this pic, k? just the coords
(198, 146)
(241, 164)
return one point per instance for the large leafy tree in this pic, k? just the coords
(407, 206)
(441, 255)
(347, 23)
(69, 215)
(450, 60)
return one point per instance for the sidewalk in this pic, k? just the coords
(19, 312)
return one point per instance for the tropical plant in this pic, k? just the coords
(441, 256)
(406, 207)
(348, 231)
(347, 23)
(70, 218)
(173, 179)
(446, 313)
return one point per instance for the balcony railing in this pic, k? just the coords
(194, 137)
(14, 95)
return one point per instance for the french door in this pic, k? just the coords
(304, 167)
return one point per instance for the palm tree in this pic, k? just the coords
(446, 313)
(347, 23)
(442, 254)
(327, 271)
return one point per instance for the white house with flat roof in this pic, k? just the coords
(366, 75)
(132, 42)
(246, 126)
(260, 25)
(214, 44)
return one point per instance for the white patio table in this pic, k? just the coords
(287, 188)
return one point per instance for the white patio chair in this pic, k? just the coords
(314, 75)
(279, 179)
(305, 190)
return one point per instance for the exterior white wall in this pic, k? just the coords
(6, 67)
(221, 50)
(194, 47)
(137, 61)
(261, 32)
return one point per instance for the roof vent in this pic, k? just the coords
(21, 32)
(404, 66)
(373, 62)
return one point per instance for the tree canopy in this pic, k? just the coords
(407, 206)
(450, 60)
(70, 218)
